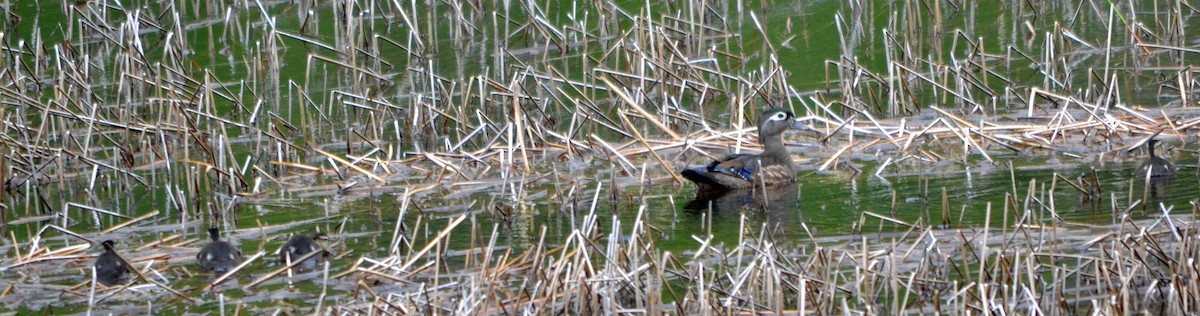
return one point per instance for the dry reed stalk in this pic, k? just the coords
(126, 120)
(634, 105)
(285, 268)
(233, 272)
(130, 222)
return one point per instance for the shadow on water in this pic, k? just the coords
(832, 204)
(1156, 191)
(776, 203)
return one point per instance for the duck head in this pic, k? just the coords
(775, 121)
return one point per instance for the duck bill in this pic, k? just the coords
(797, 124)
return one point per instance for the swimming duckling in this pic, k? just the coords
(1155, 166)
(300, 245)
(771, 167)
(109, 267)
(218, 256)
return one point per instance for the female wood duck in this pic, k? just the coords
(738, 171)
(109, 267)
(298, 246)
(1155, 166)
(218, 256)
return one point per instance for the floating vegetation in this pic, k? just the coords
(503, 157)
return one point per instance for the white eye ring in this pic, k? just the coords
(780, 116)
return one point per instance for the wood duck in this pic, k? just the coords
(218, 256)
(1155, 166)
(109, 267)
(738, 171)
(298, 246)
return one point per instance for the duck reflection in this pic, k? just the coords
(1155, 189)
(777, 203)
(1156, 173)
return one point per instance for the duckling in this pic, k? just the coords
(109, 267)
(300, 245)
(1155, 166)
(218, 256)
(771, 167)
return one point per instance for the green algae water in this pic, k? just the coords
(212, 113)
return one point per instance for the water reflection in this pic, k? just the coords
(777, 203)
(1155, 173)
(832, 204)
(1155, 190)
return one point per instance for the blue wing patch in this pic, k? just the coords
(748, 170)
(745, 173)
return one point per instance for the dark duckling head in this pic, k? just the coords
(109, 267)
(300, 245)
(771, 167)
(218, 256)
(1155, 166)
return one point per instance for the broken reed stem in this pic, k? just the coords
(285, 268)
(233, 272)
(130, 222)
(139, 275)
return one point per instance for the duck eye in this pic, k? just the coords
(780, 116)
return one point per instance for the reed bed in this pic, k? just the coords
(1133, 267)
(120, 112)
